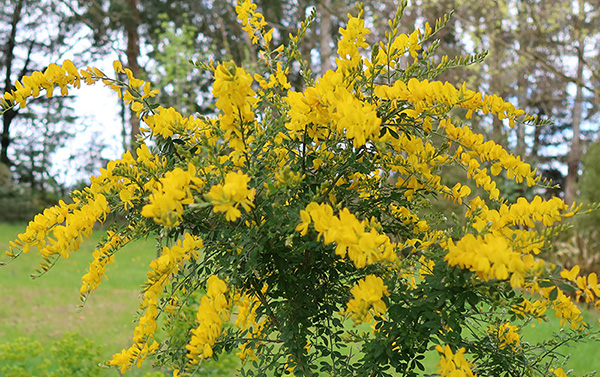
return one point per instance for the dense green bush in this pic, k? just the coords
(70, 355)
(19, 202)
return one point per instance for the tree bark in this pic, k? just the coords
(9, 57)
(574, 156)
(131, 23)
(522, 81)
(497, 84)
(326, 50)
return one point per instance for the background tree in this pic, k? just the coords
(532, 50)
(34, 33)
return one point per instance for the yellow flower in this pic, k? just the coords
(349, 235)
(570, 274)
(229, 196)
(174, 191)
(212, 312)
(559, 372)
(236, 98)
(367, 299)
(453, 364)
(253, 22)
(353, 37)
(506, 335)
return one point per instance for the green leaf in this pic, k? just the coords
(546, 284)
(553, 294)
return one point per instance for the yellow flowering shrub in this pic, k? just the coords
(292, 215)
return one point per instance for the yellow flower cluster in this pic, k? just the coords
(276, 79)
(425, 95)
(552, 296)
(353, 38)
(366, 301)
(246, 320)
(67, 75)
(506, 335)
(213, 311)
(310, 111)
(491, 257)
(417, 163)
(565, 309)
(252, 21)
(522, 213)
(588, 286)
(348, 233)
(331, 106)
(167, 122)
(162, 270)
(358, 119)
(229, 196)
(507, 249)
(59, 230)
(136, 354)
(400, 45)
(103, 256)
(453, 364)
(516, 169)
(171, 194)
(30, 86)
(246, 316)
(236, 98)
(526, 308)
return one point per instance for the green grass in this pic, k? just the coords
(583, 356)
(46, 308)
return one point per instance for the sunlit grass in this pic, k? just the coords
(47, 307)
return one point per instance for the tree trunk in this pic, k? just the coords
(9, 57)
(131, 24)
(574, 156)
(497, 73)
(325, 40)
(522, 81)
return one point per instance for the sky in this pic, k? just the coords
(99, 126)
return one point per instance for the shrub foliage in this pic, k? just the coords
(294, 226)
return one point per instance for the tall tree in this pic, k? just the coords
(541, 57)
(9, 57)
(131, 22)
(574, 155)
(32, 34)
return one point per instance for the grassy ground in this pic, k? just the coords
(46, 308)
(583, 357)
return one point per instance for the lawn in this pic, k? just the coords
(46, 308)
